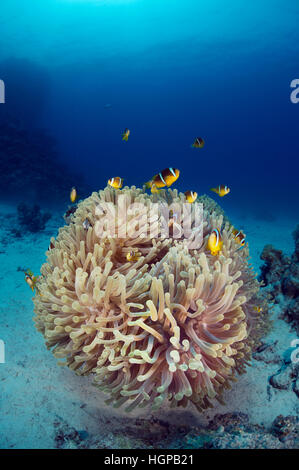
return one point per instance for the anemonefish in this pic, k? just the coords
(214, 242)
(125, 134)
(116, 182)
(51, 246)
(221, 190)
(191, 196)
(73, 194)
(239, 236)
(258, 309)
(133, 255)
(198, 143)
(165, 178)
(31, 279)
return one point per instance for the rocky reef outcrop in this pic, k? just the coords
(280, 274)
(224, 431)
(29, 165)
(32, 219)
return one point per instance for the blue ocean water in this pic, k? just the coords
(76, 74)
(170, 71)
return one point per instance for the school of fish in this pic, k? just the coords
(163, 179)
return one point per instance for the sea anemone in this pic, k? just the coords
(176, 324)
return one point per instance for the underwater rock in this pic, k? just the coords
(66, 437)
(296, 238)
(286, 378)
(31, 219)
(280, 275)
(286, 429)
(282, 379)
(275, 266)
(30, 163)
(224, 431)
(234, 431)
(267, 353)
(229, 422)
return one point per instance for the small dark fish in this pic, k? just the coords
(51, 246)
(198, 143)
(69, 214)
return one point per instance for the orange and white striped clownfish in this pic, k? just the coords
(198, 143)
(214, 242)
(258, 309)
(125, 134)
(165, 178)
(116, 182)
(191, 196)
(221, 190)
(239, 236)
(73, 194)
(31, 279)
(133, 255)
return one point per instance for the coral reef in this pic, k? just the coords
(31, 158)
(287, 377)
(280, 275)
(175, 325)
(66, 437)
(224, 431)
(234, 431)
(32, 219)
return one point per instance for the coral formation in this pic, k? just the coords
(234, 431)
(175, 325)
(224, 431)
(31, 218)
(286, 378)
(31, 157)
(280, 275)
